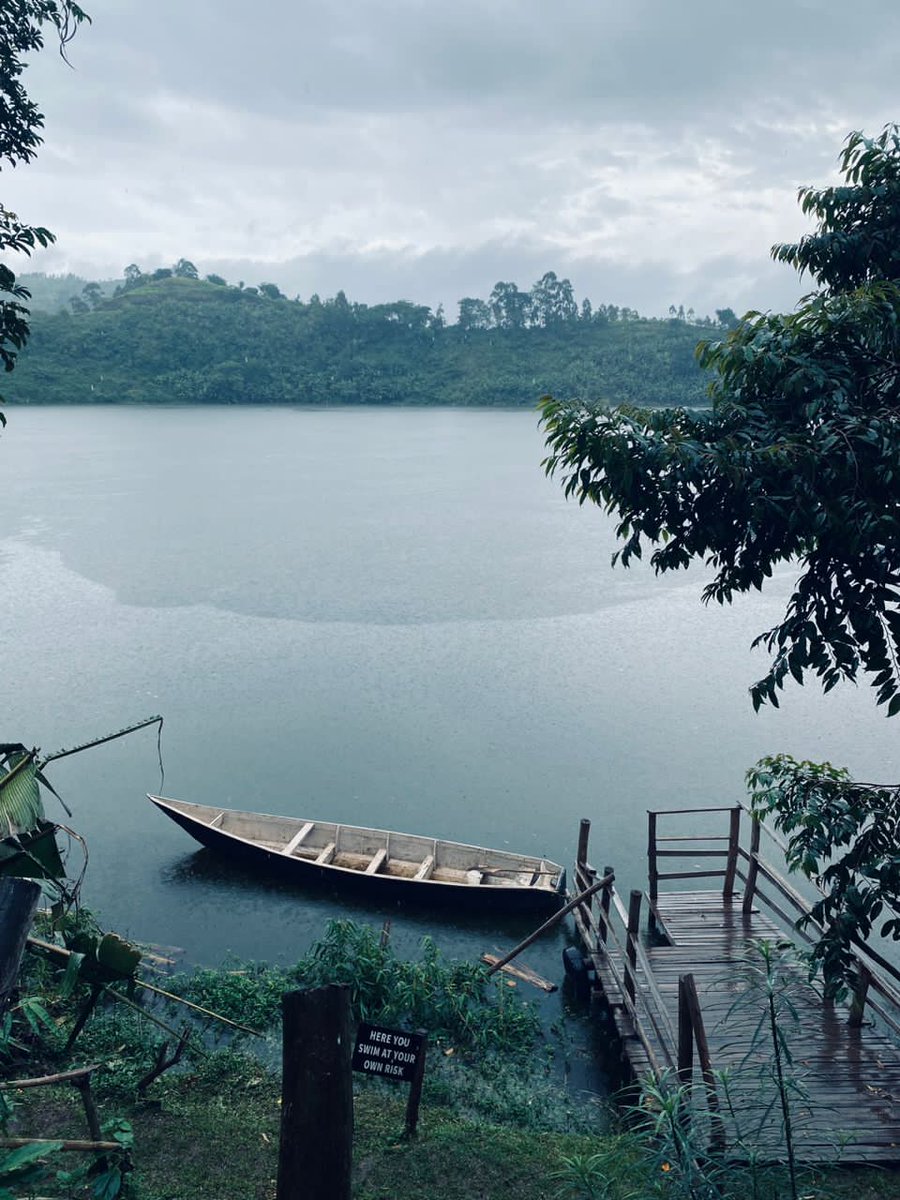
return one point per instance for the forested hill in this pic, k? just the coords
(187, 340)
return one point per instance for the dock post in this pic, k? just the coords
(688, 986)
(752, 869)
(858, 1003)
(584, 833)
(734, 837)
(652, 873)
(633, 929)
(605, 901)
(685, 1035)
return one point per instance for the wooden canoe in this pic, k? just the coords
(388, 863)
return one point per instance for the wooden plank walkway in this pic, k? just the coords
(848, 1078)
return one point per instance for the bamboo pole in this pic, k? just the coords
(554, 920)
(47, 1080)
(62, 952)
(15, 1143)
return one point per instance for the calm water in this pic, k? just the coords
(387, 618)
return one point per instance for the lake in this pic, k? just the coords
(379, 617)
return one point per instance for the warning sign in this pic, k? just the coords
(390, 1053)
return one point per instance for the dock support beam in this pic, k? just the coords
(734, 837)
(652, 873)
(858, 1003)
(752, 869)
(691, 1032)
(634, 925)
(584, 833)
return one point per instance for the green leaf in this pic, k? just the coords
(25, 1155)
(70, 977)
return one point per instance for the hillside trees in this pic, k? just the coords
(22, 33)
(245, 346)
(509, 308)
(798, 463)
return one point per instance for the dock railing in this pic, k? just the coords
(611, 932)
(764, 886)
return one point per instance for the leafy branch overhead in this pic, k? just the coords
(22, 33)
(845, 836)
(797, 462)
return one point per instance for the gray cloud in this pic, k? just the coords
(389, 147)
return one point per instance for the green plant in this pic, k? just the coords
(108, 1174)
(583, 1177)
(24, 1024)
(677, 1139)
(453, 1001)
(24, 1168)
(510, 1091)
(776, 973)
(249, 993)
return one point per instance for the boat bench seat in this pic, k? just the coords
(298, 837)
(326, 855)
(378, 861)
(426, 868)
(474, 877)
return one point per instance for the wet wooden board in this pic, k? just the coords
(850, 1078)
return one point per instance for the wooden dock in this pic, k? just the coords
(687, 1005)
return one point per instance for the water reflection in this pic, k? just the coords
(209, 881)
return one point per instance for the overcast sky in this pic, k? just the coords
(649, 150)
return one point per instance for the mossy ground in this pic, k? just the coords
(214, 1136)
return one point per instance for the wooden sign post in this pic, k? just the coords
(393, 1054)
(315, 1153)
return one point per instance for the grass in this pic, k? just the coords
(212, 1134)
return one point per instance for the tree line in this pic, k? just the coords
(170, 335)
(549, 302)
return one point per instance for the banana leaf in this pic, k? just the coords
(21, 809)
(32, 855)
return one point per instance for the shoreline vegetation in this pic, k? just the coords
(172, 337)
(498, 1118)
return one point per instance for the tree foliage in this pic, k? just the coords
(796, 464)
(845, 836)
(167, 336)
(798, 460)
(22, 33)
